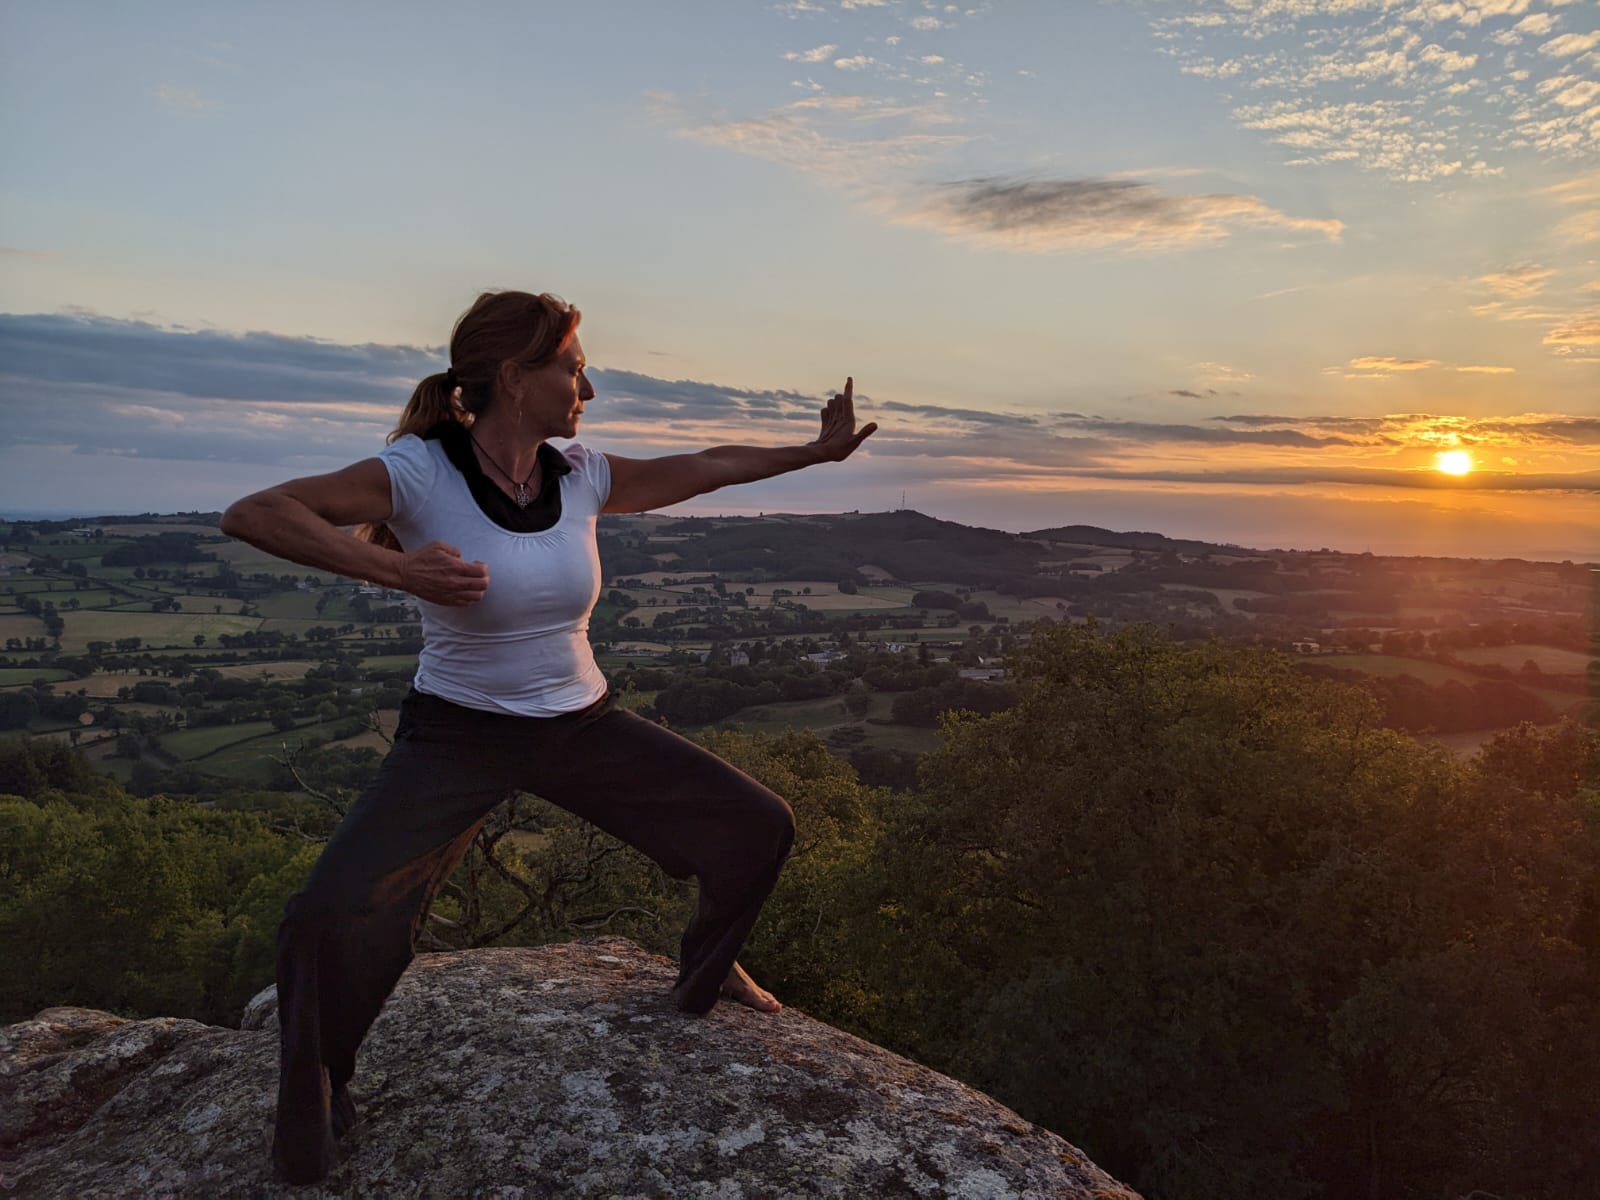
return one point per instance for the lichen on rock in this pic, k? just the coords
(520, 1073)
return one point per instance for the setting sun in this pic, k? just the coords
(1455, 462)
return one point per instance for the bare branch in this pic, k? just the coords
(592, 923)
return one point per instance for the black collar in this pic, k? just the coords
(500, 508)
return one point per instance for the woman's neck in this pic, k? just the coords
(507, 453)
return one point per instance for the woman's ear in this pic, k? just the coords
(509, 382)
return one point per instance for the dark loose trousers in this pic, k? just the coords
(349, 934)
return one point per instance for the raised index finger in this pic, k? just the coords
(849, 388)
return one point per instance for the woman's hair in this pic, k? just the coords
(500, 327)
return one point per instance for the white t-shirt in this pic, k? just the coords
(524, 647)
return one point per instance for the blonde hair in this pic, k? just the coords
(500, 327)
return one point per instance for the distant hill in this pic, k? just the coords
(1093, 535)
(908, 545)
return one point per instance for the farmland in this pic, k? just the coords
(166, 647)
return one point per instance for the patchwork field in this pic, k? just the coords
(153, 629)
(20, 626)
(295, 668)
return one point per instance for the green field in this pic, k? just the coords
(289, 668)
(153, 629)
(1433, 674)
(247, 560)
(791, 714)
(1387, 664)
(202, 605)
(94, 598)
(298, 605)
(189, 744)
(18, 676)
(390, 662)
(249, 760)
(1551, 660)
(20, 627)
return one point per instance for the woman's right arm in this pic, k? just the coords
(300, 521)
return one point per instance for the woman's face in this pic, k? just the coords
(554, 393)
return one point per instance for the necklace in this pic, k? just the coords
(523, 496)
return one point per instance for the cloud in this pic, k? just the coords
(1583, 195)
(1486, 370)
(138, 355)
(183, 98)
(134, 391)
(1219, 373)
(1583, 330)
(1569, 44)
(797, 137)
(997, 211)
(926, 24)
(814, 55)
(1517, 282)
(1385, 365)
(1066, 214)
(1547, 430)
(857, 62)
(1417, 91)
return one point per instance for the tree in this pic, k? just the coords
(1202, 913)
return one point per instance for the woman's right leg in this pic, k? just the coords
(349, 934)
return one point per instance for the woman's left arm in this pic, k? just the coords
(643, 484)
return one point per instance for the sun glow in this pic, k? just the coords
(1455, 462)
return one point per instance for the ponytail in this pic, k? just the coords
(437, 399)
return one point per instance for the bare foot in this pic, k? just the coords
(741, 988)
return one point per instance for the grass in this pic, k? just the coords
(294, 668)
(17, 676)
(300, 605)
(21, 627)
(247, 560)
(190, 744)
(790, 714)
(1552, 661)
(249, 760)
(390, 662)
(153, 629)
(1389, 665)
(104, 685)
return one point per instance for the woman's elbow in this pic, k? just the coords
(237, 520)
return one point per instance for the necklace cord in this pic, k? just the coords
(522, 497)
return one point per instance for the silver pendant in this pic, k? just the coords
(524, 498)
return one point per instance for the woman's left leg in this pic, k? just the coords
(691, 813)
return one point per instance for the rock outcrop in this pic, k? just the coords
(554, 1071)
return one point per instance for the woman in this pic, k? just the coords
(472, 511)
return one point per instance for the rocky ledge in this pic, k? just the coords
(551, 1071)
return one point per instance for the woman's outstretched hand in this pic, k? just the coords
(839, 439)
(438, 574)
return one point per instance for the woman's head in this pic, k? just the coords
(500, 328)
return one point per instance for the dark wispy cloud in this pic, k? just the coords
(1060, 214)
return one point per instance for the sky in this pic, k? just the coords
(1238, 271)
